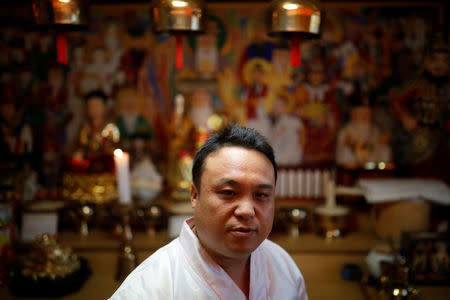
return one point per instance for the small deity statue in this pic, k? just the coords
(360, 141)
(423, 110)
(15, 135)
(316, 105)
(97, 138)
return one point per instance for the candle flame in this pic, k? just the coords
(118, 153)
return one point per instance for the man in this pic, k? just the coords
(222, 252)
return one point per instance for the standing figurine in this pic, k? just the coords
(360, 141)
(97, 138)
(424, 110)
(15, 136)
(316, 105)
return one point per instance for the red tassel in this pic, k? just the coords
(61, 47)
(295, 51)
(179, 57)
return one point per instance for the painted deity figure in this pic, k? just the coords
(423, 110)
(255, 86)
(104, 67)
(316, 105)
(283, 130)
(192, 125)
(130, 121)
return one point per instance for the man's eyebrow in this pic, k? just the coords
(232, 182)
(265, 186)
(227, 181)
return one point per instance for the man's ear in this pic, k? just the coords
(194, 195)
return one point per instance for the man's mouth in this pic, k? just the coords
(243, 231)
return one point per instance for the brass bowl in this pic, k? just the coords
(332, 223)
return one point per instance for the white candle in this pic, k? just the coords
(283, 183)
(316, 183)
(308, 183)
(300, 183)
(122, 163)
(291, 183)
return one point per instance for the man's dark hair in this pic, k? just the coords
(232, 135)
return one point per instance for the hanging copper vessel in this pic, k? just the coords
(300, 16)
(178, 15)
(61, 15)
(61, 12)
(296, 19)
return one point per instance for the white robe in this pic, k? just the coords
(182, 270)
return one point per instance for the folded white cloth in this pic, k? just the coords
(386, 190)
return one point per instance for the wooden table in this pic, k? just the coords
(319, 260)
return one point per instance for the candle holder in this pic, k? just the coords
(154, 217)
(127, 258)
(295, 218)
(86, 212)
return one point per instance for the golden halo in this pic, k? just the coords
(250, 65)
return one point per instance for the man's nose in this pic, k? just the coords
(245, 208)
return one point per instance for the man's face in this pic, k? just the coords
(235, 207)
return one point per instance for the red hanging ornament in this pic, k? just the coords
(61, 48)
(296, 59)
(179, 55)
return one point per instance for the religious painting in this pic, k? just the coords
(427, 255)
(306, 112)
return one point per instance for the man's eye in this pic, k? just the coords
(227, 193)
(262, 196)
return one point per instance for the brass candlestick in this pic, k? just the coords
(127, 259)
(296, 217)
(86, 212)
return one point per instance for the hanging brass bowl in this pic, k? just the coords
(61, 12)
(295, 16)
(178, 15)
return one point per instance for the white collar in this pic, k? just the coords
(216, 277)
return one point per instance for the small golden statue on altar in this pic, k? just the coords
(90, 177)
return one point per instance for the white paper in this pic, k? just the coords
(387, 190)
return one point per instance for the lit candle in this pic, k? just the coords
(122, 163)
(329, 190)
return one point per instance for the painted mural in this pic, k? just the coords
(345, 104)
